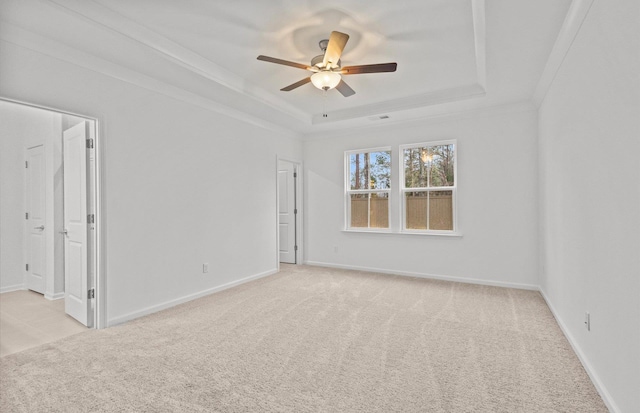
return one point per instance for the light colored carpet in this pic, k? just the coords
(315, 340)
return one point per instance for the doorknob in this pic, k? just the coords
(63, 232)
(41, 227)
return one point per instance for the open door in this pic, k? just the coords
(287, 176)
(36, 265)
(76, 295)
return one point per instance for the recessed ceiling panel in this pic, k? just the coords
(450, 53)
(432, 42)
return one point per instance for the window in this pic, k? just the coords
(423, 197)
(428, 186)
(368, 187)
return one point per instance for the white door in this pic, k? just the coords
(287, 211)
(36, 265)
(76, 301)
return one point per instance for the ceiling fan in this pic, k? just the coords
(327, 69)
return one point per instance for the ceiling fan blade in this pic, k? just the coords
(283, 62)
(345, 89)
(297, 84)
(337, 41)
(376, 68)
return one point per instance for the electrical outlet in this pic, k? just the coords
(205, 268)
(587, 321)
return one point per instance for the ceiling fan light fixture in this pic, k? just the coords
(327, 68)
(325, 79)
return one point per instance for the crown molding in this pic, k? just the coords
(578, 11)
(43, 45)
(102, 16)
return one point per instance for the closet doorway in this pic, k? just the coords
(53, 155)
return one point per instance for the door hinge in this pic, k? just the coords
(91, 293)
(295, 174)
(26, 164)
(91, 218)
(295, 248)
(26, 215)
(27, 267)
(295, 211)
(90, 143)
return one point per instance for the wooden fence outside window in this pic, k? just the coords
(440, 212)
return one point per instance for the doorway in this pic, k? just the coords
(289, 212)
(59, 207)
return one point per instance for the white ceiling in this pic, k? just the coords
(452, 55)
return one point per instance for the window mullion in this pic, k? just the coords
(369, 210)
(428, 208)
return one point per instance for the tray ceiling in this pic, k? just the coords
(451, 54)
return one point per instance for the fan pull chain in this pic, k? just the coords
(324, 103)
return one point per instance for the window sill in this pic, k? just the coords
(369, 231)
(419, 233)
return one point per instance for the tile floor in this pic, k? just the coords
(27, 320)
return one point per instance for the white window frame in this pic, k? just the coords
(403, 190)
(348, 191)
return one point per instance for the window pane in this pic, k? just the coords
(370, 210)
(380, 170)
(379, 210)
(359, 210)
(441, 210)
(431, 210)
(370, 170)
(441, 165)
(416, 209)
(415, 171)
(429, 166)
(359, 170)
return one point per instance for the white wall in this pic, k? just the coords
(496, 201)
(183, 185)
(23, 127)
(590, 198)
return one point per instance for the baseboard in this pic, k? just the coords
(9, 288)
(595, 379)
(56, 296)
(429, 276)
(172, 303)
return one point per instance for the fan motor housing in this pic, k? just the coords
(317, 61)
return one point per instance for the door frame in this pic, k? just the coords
(299, 206)
(98, 281)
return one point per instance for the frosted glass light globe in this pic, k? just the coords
(325, 80)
